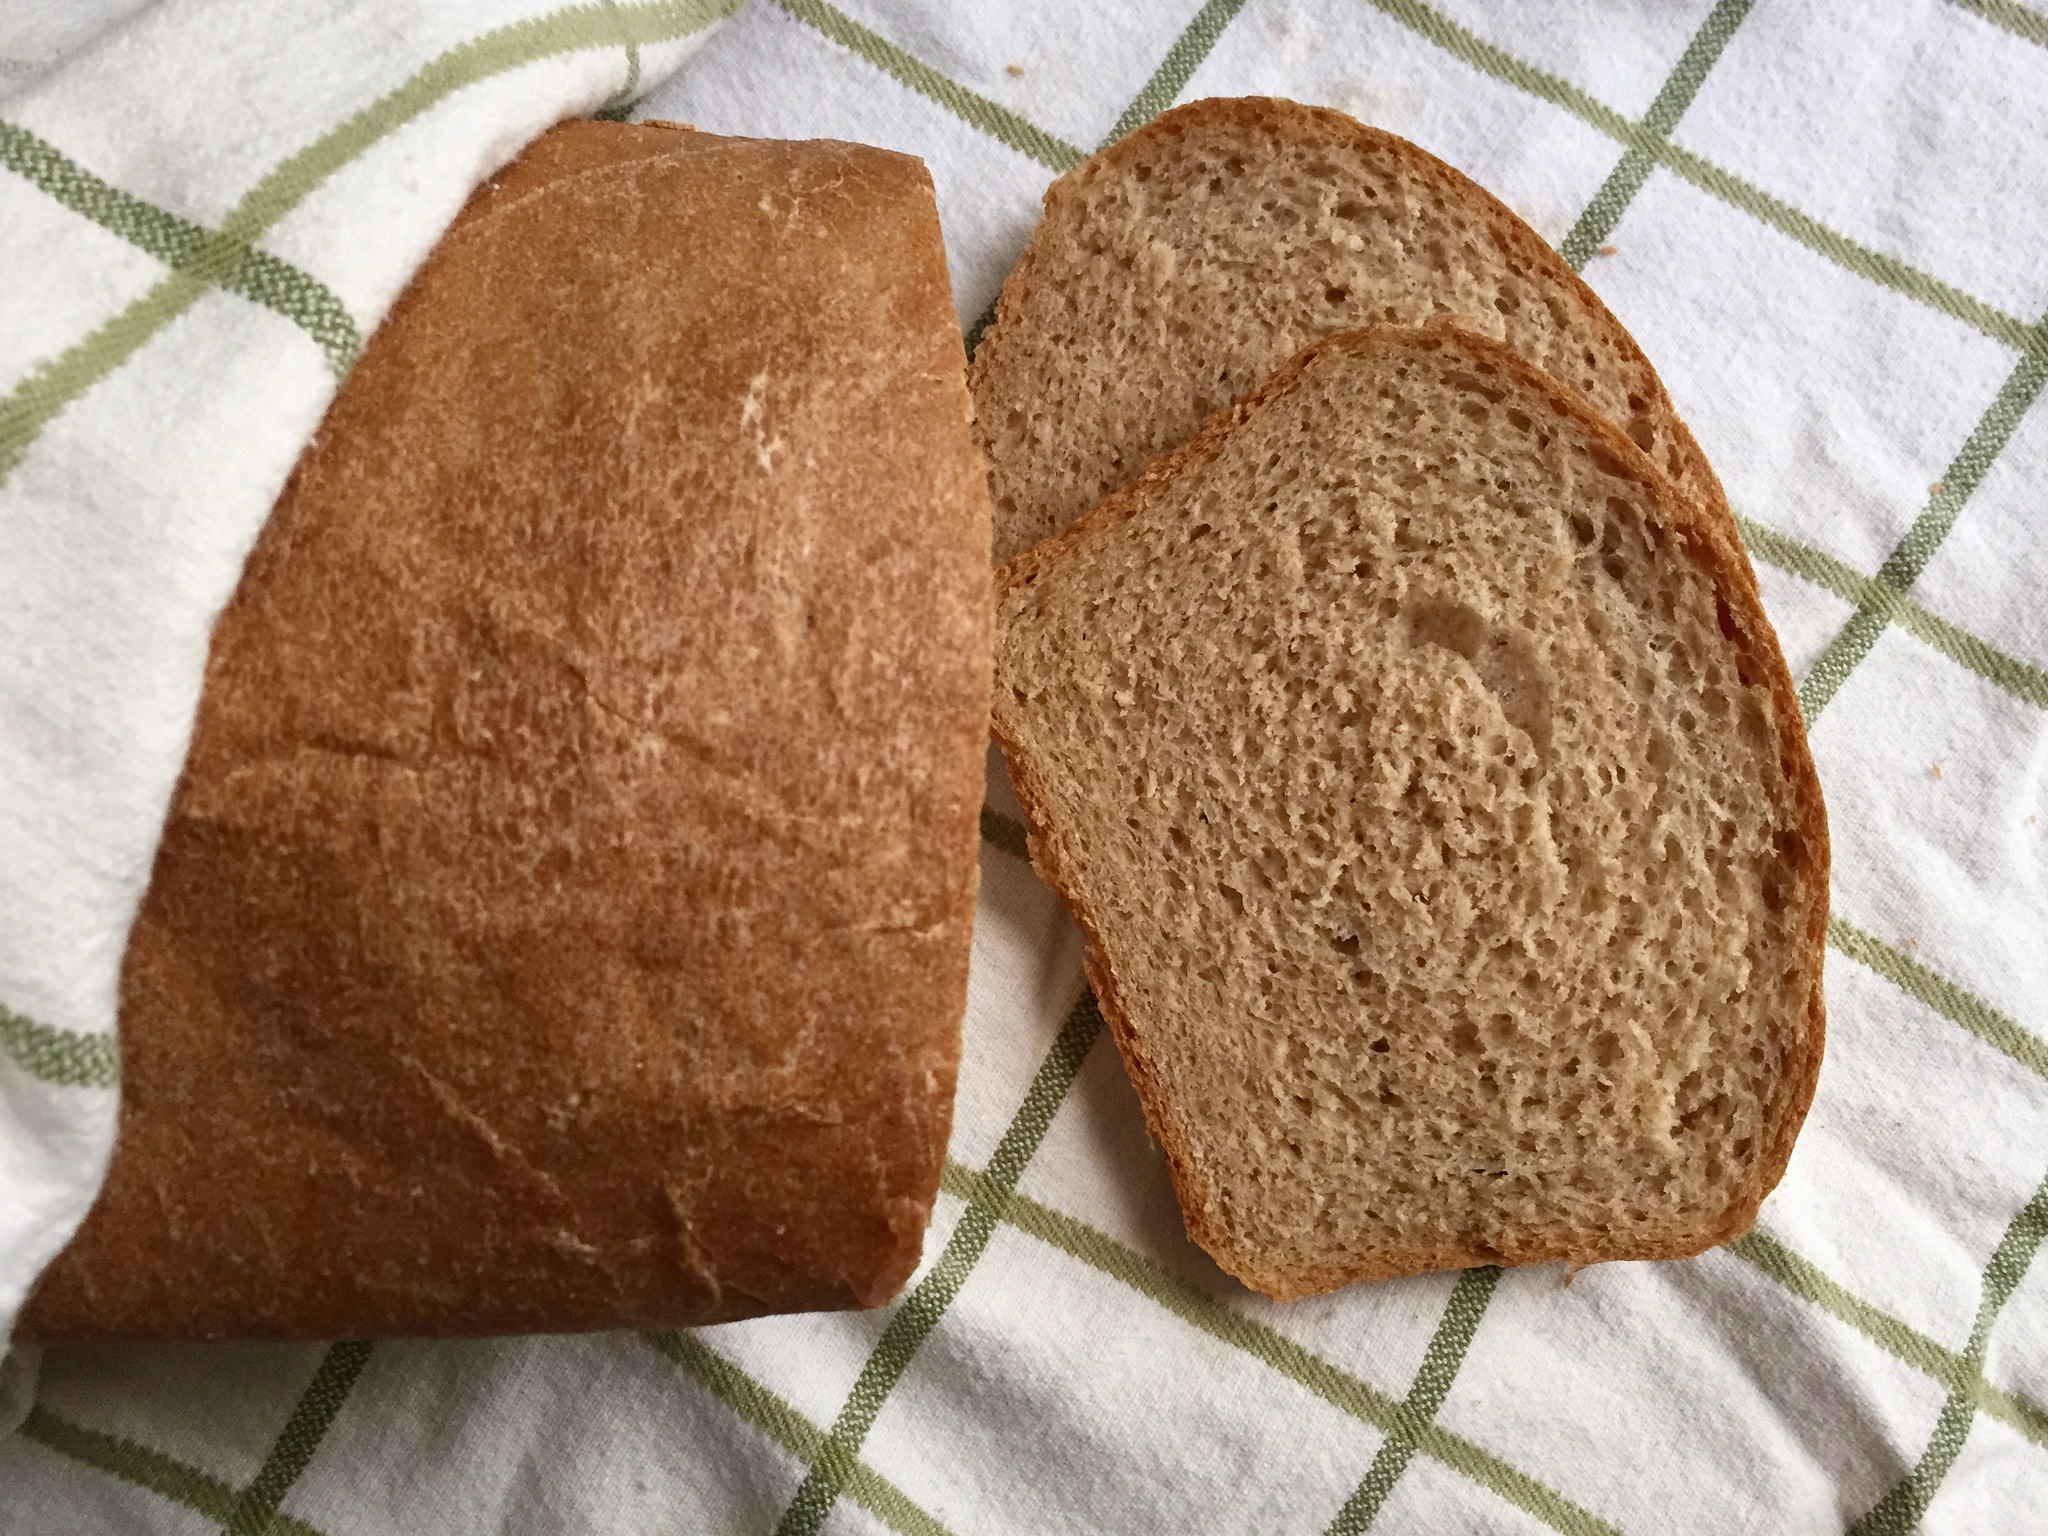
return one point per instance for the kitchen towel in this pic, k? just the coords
(1827, 223)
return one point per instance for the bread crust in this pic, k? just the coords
(1700, 534)
(1307, 125)
(563, 919)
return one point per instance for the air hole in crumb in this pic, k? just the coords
(1725, 618)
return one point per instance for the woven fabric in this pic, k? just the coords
(1828, 226)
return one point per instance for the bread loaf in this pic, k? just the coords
(1178, 268)
(563, 919)
(1432, 792)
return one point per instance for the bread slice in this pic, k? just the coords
(1182, 265)
(1434, 797)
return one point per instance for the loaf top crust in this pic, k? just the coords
(563, 918)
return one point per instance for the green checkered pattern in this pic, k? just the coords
(1830, 230)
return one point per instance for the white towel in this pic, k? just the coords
(1826, 221)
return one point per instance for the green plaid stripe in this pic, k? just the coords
(2021, 679)
(1957, 1004)
(1903, 566)
(62, 1057)
(1899, 1511)
(1765, 1253)
(921, 1310)
(1433, 1380)
(1899, 1339)
(145, 1468)
(2009, 14)
(1850, 255)
(277, 285)
(620, 107)
(1619, 190)
(255, 1510)
(774, 1417)
(1194, 44)
(1342, 1390)
(37, 399)
(992, 118)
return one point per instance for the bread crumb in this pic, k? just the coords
(1608, 250)
(1293, 560)
(1934, 489)
(1935, 768)
(1014, 71)
(1160, 260)
(1911, 942)
(2032, 819)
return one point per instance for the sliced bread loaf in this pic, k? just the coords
(1182, 265)
(1433, 794)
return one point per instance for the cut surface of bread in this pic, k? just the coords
(1433, 795)
(1174, 271)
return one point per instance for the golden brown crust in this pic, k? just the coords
(563, 920)
(1314, 124)
(1709, 539)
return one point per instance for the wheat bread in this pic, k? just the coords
(1180, 266)
(1429, 785)
(563, 918)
